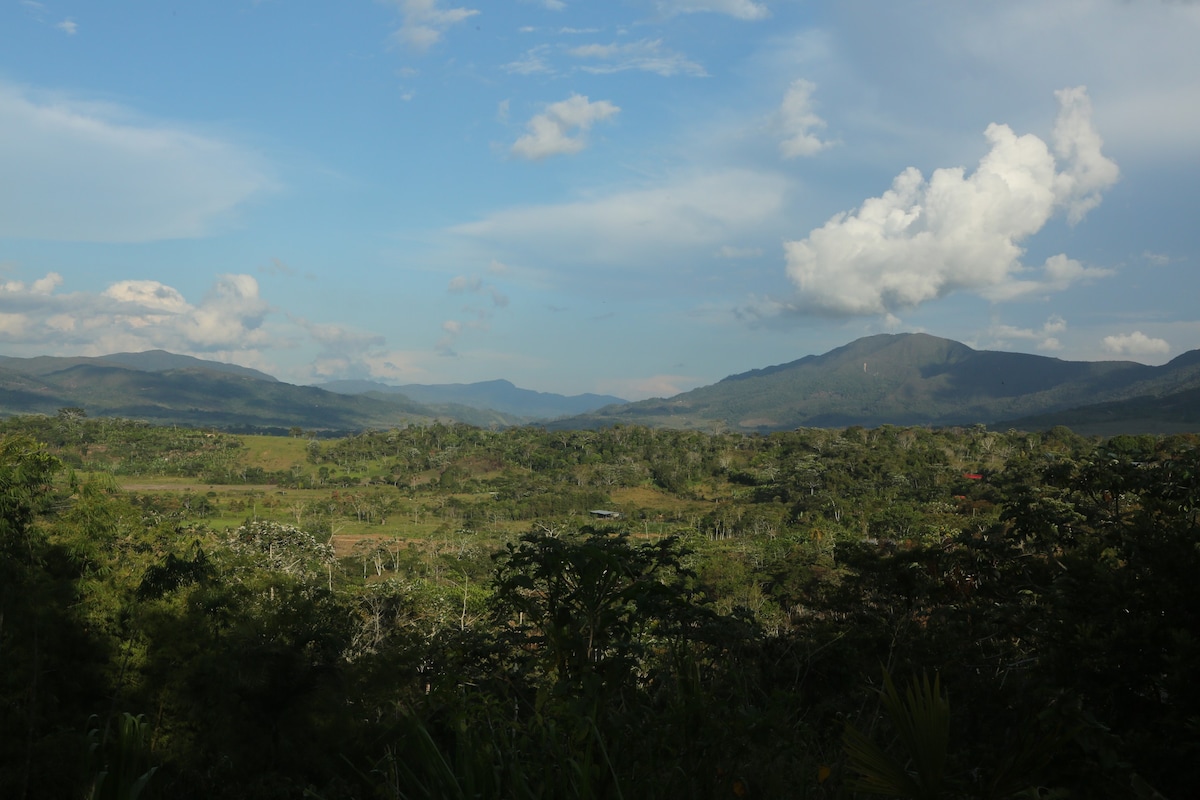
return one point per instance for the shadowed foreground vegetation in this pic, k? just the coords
(435, 612)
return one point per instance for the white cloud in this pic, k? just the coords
(344, 351)
(740, 9)
(1058, 273)
(83, 172)
(798, 122)
(134, 315)
(232, 323)
(550, 133)
(42, 286)
(423, 22)
(148, 296)
(645, 55)
(685, 217)
(1046, 337)
(68, 27)
(922, 240)
(47, 284)
(230, 316)
(13, 325)
(1135, 344)
(1088, 172)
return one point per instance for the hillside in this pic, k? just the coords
(903, 379)
(163, 387)
(196, 396)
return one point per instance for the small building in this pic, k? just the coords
(602, 514)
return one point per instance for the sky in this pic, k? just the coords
(630, 197)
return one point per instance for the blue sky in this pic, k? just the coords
(634, 198)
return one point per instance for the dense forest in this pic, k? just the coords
(445, 611)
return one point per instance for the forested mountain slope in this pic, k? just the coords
(903, 379)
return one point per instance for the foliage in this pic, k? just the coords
(121, 770)
(921, 720)
(439, 614)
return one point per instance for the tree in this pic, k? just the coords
(49, 661)
(591, 602)
(283, 550)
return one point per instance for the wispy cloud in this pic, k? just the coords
(645, 55)
(82, 171)
(1058, 273)
(478, 319)
(666, 223)
(1045, 337)
(424, 22)
(798, 122)
(739, 9)
(532, 62)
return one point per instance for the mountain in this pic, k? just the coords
(498, 395)
(903, 379)
(149, 361)
(898, 379)
(165, 388)
(1169, 409)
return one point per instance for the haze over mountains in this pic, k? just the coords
(900, 379)
(498, 395)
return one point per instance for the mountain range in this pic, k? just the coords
(163, 387)
(899, 379)
(918, 379)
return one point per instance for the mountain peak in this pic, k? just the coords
(902, 379)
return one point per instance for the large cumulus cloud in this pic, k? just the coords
(924, 239)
